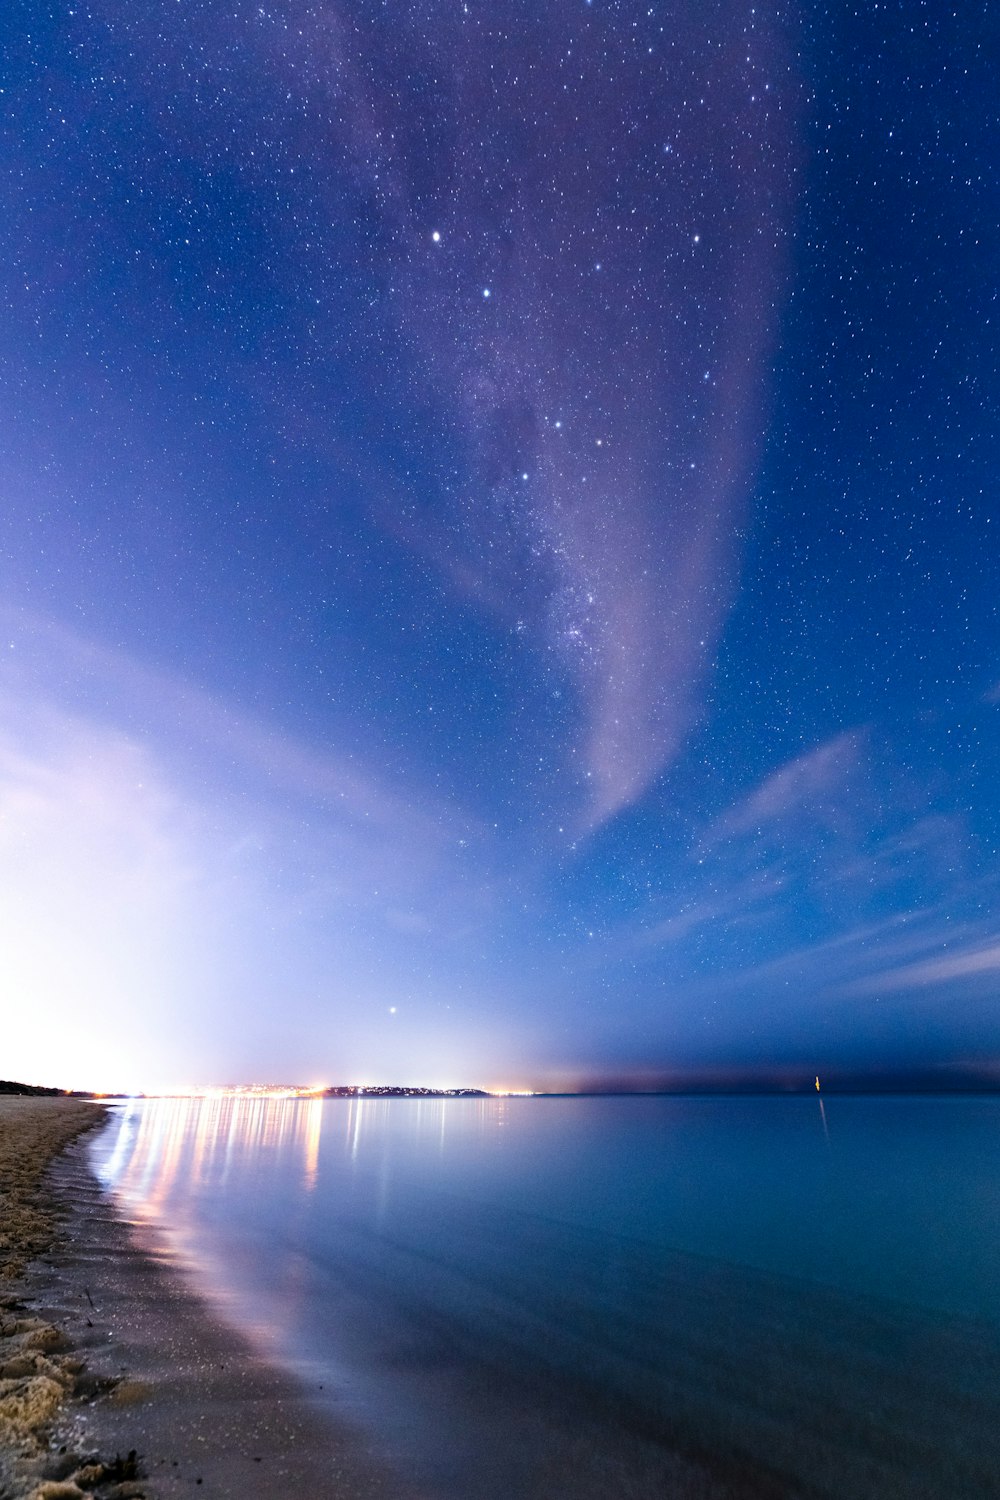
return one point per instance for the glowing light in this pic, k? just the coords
(313, 1131)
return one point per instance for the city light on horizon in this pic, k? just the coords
(304, 1091)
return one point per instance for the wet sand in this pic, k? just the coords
(39, 1374)
(115, 1380)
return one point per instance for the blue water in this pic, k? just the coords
(619, 1296)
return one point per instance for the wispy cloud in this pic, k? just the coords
(174, 874)
(820, 783)
(955, 964)
(44, 660)
(594, 504)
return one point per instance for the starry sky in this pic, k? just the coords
(498, 559)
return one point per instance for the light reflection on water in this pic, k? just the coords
(535, 1297)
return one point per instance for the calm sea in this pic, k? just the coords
(539, 1298)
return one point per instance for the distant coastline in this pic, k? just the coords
(39, 1091)
(915, 1082)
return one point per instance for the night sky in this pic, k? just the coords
(498, 573)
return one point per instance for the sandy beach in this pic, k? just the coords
(38, 1373)
(115, 1381)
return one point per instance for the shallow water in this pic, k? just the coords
(557, 1297)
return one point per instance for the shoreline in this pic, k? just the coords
(39, 1371)
(136, 1364)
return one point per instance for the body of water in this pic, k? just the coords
(545, 1298)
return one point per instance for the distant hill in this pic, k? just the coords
(397, 1091)
(7, 1087)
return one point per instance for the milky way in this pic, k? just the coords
(583, 221)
